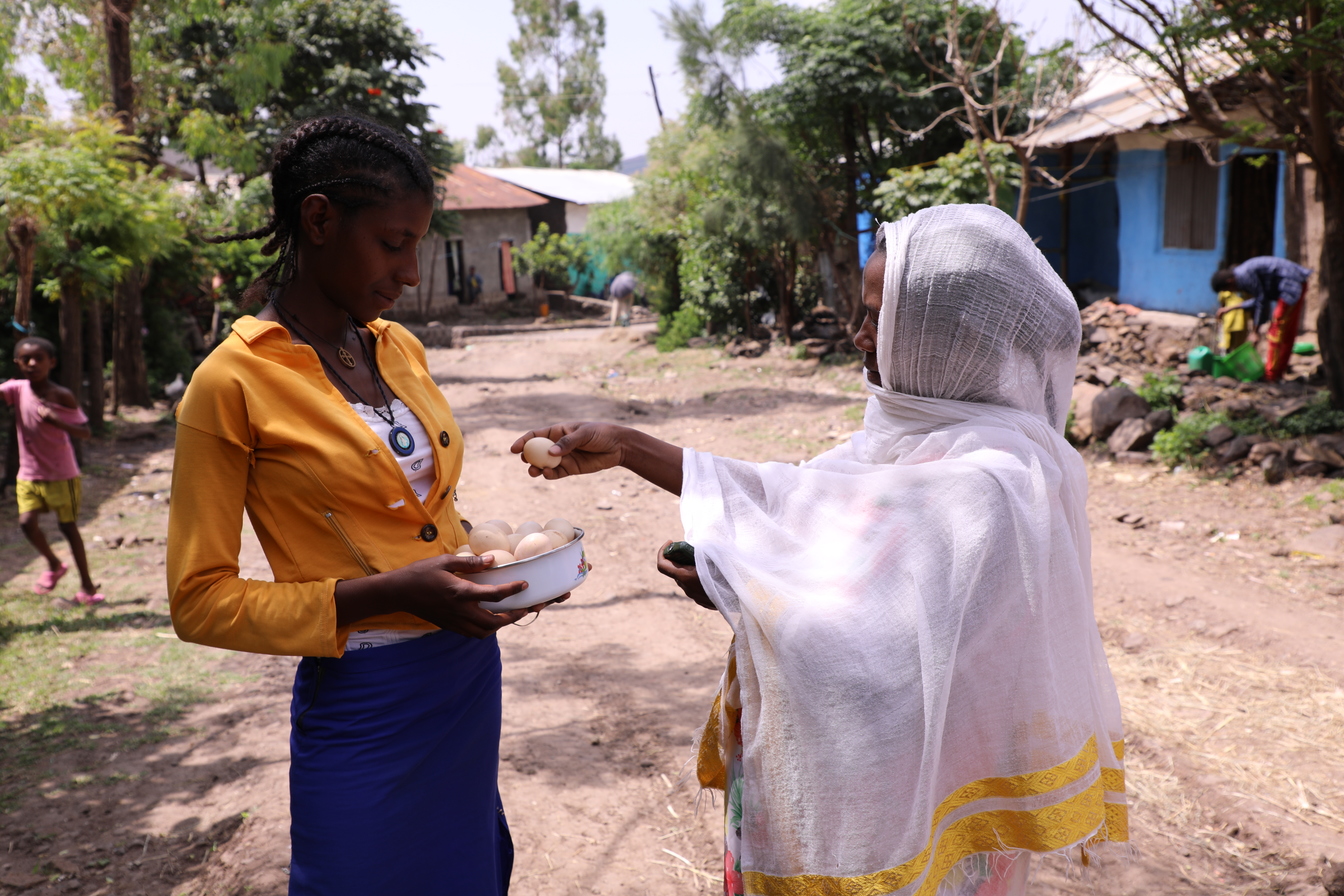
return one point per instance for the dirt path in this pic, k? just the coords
(133, 763)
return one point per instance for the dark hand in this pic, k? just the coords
(686, 577)
(583, 448)
(432, 590)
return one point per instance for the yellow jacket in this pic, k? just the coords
(262, 428)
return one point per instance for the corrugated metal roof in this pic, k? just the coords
(1119, 99)
(578, 185)
(467, 189)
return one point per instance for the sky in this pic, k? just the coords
(471, 36)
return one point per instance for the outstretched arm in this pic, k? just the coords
(591, 447)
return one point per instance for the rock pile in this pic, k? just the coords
(1122, 343)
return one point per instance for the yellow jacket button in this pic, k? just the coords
(443, 438)
(429, 532)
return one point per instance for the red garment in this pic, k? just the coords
(1282, 334)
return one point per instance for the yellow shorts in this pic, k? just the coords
(60, 496)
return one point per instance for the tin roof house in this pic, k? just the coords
(499, 209)
(1156, 205)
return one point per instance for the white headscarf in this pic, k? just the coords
(919, 669)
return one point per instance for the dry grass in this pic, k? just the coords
(1269, 734)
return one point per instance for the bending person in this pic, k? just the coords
(323, 423)
(916, 697)
(1273, 289)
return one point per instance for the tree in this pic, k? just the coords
(1007, 96)
(1281, 61)
(549, 257)
(954, 179)
(220, 80)
(96, 217)
(554, 90)
(834, 104)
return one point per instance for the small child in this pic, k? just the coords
(47, 417)
(1234, 324)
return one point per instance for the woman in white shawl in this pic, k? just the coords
(916, 699)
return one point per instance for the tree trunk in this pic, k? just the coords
(788, 272)
(22, 239)
(130, 383)
(845, 255)
(93, 350)
(117, 27)
(1330, 322)
(1023, 192)
(72, 341)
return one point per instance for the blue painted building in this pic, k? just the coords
(1152, 207)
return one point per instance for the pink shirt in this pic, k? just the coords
(45, 452)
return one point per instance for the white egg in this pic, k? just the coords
(500, 525)
(501, 557)
(532, 545)
(487, 538)
(528, 528)
(534, 452)
(465, 551)
(557, 540)
(561, 525)
(513, 540)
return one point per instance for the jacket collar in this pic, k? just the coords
(250, 329)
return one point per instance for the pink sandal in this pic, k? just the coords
(81, 599)
(47, 581)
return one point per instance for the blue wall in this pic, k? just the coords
(1162, 279)
(1152, 276)
(1094, 221)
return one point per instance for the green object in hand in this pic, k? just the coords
(680, 553)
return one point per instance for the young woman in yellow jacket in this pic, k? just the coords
(322, 422)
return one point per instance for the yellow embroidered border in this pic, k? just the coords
(1043, 830)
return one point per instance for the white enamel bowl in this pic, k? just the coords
(548, 575)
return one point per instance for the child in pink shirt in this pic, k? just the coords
(48, 416)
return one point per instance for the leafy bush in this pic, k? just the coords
(955, 179)
(550, 256)
(679, 328)
(1184, 442)
(1315, 418)
(1161, 390)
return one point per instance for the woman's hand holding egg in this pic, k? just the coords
(578, 448)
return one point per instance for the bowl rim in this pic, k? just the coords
(578, 538)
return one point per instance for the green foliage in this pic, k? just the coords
(221, 79)
(955, 179)
(554, 90)
(1183, 443)
(99, 214)
(550, 256)
(1317, 417)
(626, 237)
(1161, 390)
(849, 77)
(679, 328)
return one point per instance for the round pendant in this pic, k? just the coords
(399, 437)
(346, 358)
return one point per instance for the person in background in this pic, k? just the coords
(474, 285)
(1232, 328)
(622, 291)
(47, 417)
(1273, 287)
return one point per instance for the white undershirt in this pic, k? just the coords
(418, 467)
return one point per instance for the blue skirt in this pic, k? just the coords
(394, 758)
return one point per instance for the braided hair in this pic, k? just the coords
(352, 161)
